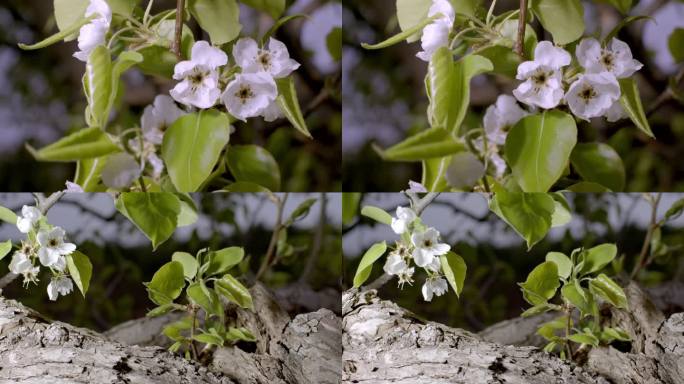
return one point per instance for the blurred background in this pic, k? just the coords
(384, 95)
(123, 259)
(497, 258)
(41, 96)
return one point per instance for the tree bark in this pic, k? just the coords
(33, 349)
(384, 343)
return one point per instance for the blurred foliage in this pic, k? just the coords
(116, 291)
(491, 293)
(44, 91)
(386, 91)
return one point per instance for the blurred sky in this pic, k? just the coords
(81, 226)
(360, 238)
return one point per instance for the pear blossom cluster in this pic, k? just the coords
(595, 92)
(93, 34)
(421, 246)
(45, 246)
(436, 34)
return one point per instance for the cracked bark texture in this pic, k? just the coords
(33, 349)
(384, 343)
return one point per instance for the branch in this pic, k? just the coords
(522, 24)
(271, 251)
(180, 11)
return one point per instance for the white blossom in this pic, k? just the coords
(52, 246)
(616, 112)
(275, 60)
(615, 58)
(503, 114)
(249, 94)
(394, 264)
(434, 286)
(93, 34)
(405, 217)
(198, 76)
(120, 171)
(60, 285)
(427, 247)
(436, 34)
(542, 80)
(158, 117)
(591, 95)
(20, 263)
(272, 112)
(29, 217)
(416, 187)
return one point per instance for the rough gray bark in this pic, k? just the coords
(384, 343)
(306, 349)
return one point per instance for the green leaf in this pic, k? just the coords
(275, 8)
(188, 210)
(377, 214)
(561, 212)
(234, 291)
(411, 13)
(673, 212)
(8, 216)
(575, 294)
(192, 146)
(536, 310)
(155, 214)
(167, 283)
(189, 263)
(598, 257)
(83, 144)
(223, 260)
(334, 43)
(350, 206)
(282, 21)
(161, 310)
(365, 267)
(622, 5)
(300, 212)
(454, 268)
(615, 334)
(676, 44)
(631, 102)
(623, 23)
(219, 18)
(548, 329)
(240, 334)
(431, 143)
(289, 104)
(563, 263)
(599, 163)
(587, 187)
(5, 248)
(65, 35)
(80, 270)
(503, 57)
(253, 164)
(401, 36)
(89, 173)
(564, 19)
(69, 13)
(208, 338)
(541, 283)
(205, 298)
(538, 148)
(244, 186)
(98, 79)
(609, 290)
(584, 338)
(529, 214)
(123, 7)
(158, 59)
(126, 60)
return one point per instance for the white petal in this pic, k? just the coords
(47, 257)
(101, 8)
(616, 112)
(434, 36)
(245, 52)
(422, 257)
(182, 69)
(263, 89)
(272, 112)
(206, 55)
(398, 226)
(444, 7)
(416, 187)
(546, 54)
(588, 52)
(282, 65)
(120, 171)
(24, 225)
(90, 36)
(20, 263)
(52, 291)
(527, 68)
(427, 291)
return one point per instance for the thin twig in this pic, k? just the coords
(653, 225)
(271, 251)
(193, 347)
(180, 11)
(522, 24)
(317, 242)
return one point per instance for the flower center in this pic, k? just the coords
(244, 93)
(53, 242)
(540, 78)
(608, 61)
(264, 60)
(427, 243)
(197, 78)
(587, 94)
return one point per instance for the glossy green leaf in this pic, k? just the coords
(192, 146)
(605, 287)
(541, 283)
(219, 18)
(80, 269)
(401, 36)
(411, 13)
(83, 144)
(464, 171)
(563, 263)
(536, 310)
(161, 310)
(5, 248)
(538, 149)
(564, 19)
(674, 211)
(503, 57)
(334, 43)
(189, 263)
(561, 212)
(615, 334)
(205, 298)
(69, 13)
(275, 8)
(300, 212)
(167, 283)
(676, 44)
(126, 60)
(454, 268)
(365, 267)
(529, 214)
(223, 260)
(234, 291)
(253, 164)
(575, 294)
(431, 143)
(587, 187)
(89, 172)
(245, 186)
(188, 210)
(599, 163)
(208, 338)
(155, 214)
(631, 102)
(598, 257)
(240, 334)
(123, 7)
(98, 78)
(158, 59)
(350, 206)
(8, 216)
(377, 214)
(289, 104)
(434, 174)
(584, 338)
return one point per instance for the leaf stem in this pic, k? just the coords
(522, 24)
(193, 347)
